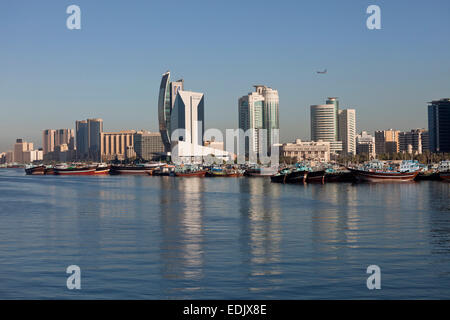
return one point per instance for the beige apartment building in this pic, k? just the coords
(307, 150)
(114, 145)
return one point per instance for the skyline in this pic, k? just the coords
(111, 68)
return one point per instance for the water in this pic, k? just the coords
(142, 237)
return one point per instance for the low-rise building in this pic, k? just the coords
(113, 145)
(307, 150)
(32, 155)
(365, 144)
(148, 145)
(10, 157)
(214, 144)
(185, 152)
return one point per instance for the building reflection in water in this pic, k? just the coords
(335, 221)
(182, 228)
(439, 217)
(260, 236)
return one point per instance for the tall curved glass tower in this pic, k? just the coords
(164, 110)
(167, 93)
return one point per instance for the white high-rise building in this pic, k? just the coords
(251, 117)
(259, 111)
(323, 125)
(335, 102)
(187, 125)
(188, 114)
(347, 130)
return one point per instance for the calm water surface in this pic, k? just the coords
(221, 238)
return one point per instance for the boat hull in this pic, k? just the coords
(445, 176)
(259, 172)
(316, 176)
(339, 177)
(75, 172)
(226, 174)
(201, 173)
(384, 176)
(101, 172)
(296, 177)
(278, 178)
(129, 170)
(35, 171)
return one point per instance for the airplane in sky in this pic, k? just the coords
(322, 72)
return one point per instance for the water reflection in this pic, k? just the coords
(182, 228)
(439, 217)
(260, 235)
(335, 219)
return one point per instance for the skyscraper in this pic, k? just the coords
(53, 138)
(439, 125)
(323, 125)
(48, 141)
(335, 102)
(82, 139)
(88, 139)
(95, 128)
(65, 136)
(251, 117)
(20, 148)
(259, 110)
(167, 94)
(188, 114)
(347, 130)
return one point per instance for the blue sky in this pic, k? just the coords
(111, 68)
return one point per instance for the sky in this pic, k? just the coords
(51, 76)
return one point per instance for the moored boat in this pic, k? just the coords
(130, 169)
(49, 170)
(66, 171)
(378, 171)
(102, 170)
(280, 176)
(35, 170)
(227, 173)
(164, 170)
(260, 172)
(382, 176)
(188, 173)
(297, 176)
(428, 176)
(339, 176)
